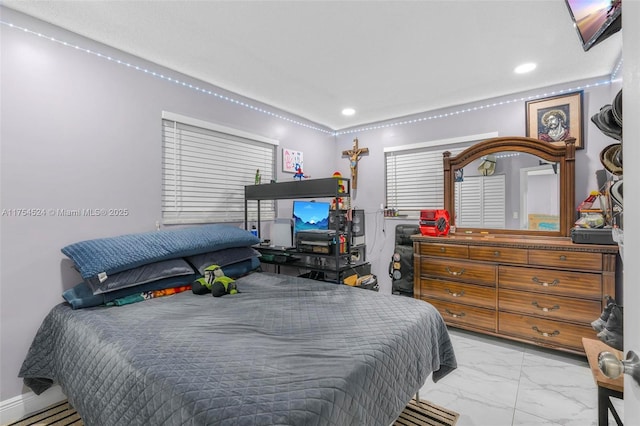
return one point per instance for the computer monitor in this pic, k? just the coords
(595, 20)
(310, 215)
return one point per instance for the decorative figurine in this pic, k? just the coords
(354, 156)
(299, 174)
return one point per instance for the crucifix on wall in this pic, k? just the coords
(354, 156)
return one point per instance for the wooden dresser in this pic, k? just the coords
(541, 290)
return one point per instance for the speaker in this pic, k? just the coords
(357, 223)
(337, 215)
(401, 265)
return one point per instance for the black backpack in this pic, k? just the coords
(401, 265)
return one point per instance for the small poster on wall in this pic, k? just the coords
(291, 160)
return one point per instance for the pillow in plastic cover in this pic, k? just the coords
(81, 296)
(117, 254)
(222, 257)
(140, 275)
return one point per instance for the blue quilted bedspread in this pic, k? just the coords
(116, 254)
(284, 351)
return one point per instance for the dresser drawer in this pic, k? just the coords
(566, 259)
(444, 250)
(553, 307)
(551, 281)
(457, 292)
(480, 273)
(543, 331)
(464, 315)
(498, 254)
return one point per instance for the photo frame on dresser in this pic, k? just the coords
(555, 119)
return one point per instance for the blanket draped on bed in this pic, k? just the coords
(286, 351)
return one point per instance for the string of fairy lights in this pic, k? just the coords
(225, 98)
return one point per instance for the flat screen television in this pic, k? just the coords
(310, 215)
(595, 20)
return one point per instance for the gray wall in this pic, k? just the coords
(79, 131)
(507, 119)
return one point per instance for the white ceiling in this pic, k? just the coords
(386, 59)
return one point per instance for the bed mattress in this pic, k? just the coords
(285, 350)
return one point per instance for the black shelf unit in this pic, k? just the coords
(311, 188)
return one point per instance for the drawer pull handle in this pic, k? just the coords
(544, 333)
(455, 273)
(460, 315)
(496, 253)
(454, 294)
(563, 257)
(544, 309)
(442, 249)
(544, 283)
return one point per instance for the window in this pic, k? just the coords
(414, 173)
(480, 202)
(205, 168)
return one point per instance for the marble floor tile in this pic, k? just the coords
(499, 382)
(526, 419)
(474, 411)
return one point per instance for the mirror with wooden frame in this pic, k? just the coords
(511, 185)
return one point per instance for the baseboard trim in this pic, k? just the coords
(15, 408)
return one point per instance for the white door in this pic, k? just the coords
(631, 150)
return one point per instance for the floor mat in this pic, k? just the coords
(425, 413)
(62, 414)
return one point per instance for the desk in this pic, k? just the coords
(320, 267)
(606, 387)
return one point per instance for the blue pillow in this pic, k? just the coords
(222, 257)
(140, 275)
(116, 254)
(236, 270)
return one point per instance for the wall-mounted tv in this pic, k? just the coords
(595, 20)
(310, 215)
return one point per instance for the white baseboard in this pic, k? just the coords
(15, 408)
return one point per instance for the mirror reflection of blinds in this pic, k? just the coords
(415, 178)
(204, 173)
(480, 202)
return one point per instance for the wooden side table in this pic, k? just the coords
(606, 387)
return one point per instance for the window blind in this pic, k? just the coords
(480, 202)
(205, 168)
(414, 176)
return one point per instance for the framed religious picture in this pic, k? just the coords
(556, 118)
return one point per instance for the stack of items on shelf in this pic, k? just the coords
(369, 281)
(600, 219)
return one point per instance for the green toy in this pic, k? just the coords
(214, 282)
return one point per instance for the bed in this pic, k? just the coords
(284, 350)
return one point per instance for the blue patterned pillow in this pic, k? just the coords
(116, 254)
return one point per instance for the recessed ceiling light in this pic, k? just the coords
(525, 68)
(348, 111)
